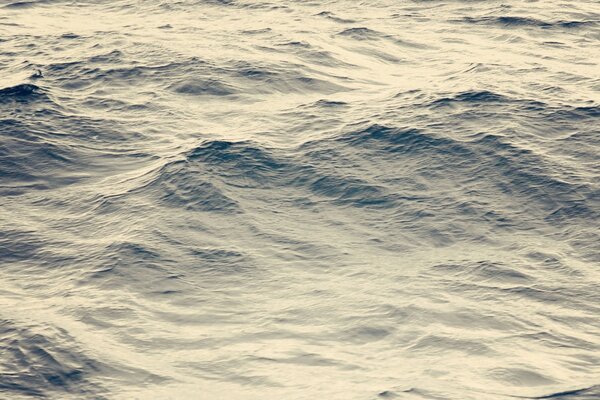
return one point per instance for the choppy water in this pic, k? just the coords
(325, 199)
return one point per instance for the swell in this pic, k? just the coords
(343, 170)
(207, 246)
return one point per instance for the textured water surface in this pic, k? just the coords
(328, 199)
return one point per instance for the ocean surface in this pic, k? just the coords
(317, 199)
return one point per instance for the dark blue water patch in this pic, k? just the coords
(576, 24)
(81, 131)
(22, 93)
(530, 118)
(211, 175)
(515, 21)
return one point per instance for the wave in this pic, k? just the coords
(43, 147)
(360, 33)
(203, 87)
(212, 172)
(205, 78)
(485, 161)
(28, 4)
(483, 96)
(244, 166)
(591, 392)
(44, 362)
(165, 268)
(331, 16)
(184, 184)
(22, 93)
(28, 161)
(515, 21)
(481, 164)
(240, 163)
(393, 140)
(19, 245)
